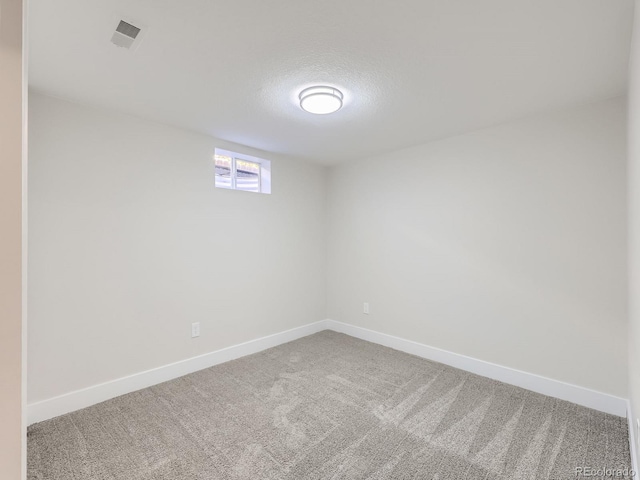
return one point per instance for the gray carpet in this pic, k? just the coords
(328, 406)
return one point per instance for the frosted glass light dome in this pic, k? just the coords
(321, 100)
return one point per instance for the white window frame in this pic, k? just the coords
(264, 178)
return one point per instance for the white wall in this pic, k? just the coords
(634, 217)
(507, 245)
(130, 242)
(11, 84)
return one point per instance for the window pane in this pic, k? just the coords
(223, 171)
(247, 176)
(237, 171)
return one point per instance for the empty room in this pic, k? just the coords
(291, 240)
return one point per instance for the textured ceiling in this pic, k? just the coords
(411, 70)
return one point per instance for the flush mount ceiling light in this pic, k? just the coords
(321, 100)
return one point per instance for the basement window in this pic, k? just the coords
(235, 171)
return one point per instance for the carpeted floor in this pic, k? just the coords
(328, 406)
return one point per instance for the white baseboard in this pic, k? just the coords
(547, 386)
(633, 440)
(53, 407)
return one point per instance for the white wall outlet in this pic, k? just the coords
(195, 329)
(365, 308)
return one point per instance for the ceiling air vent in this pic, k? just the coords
(125, 34)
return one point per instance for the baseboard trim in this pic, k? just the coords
(633, 441)
(546, 386)
(76, 400)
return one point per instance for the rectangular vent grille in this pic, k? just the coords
(127, 29)
(125, 35)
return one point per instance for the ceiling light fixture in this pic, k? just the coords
(321, 100)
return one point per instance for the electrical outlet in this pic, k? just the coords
(195, 329)
(365, 309)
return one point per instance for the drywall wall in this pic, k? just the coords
(130, 242)
(634, 219)
(11, 428)
(507, 245)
